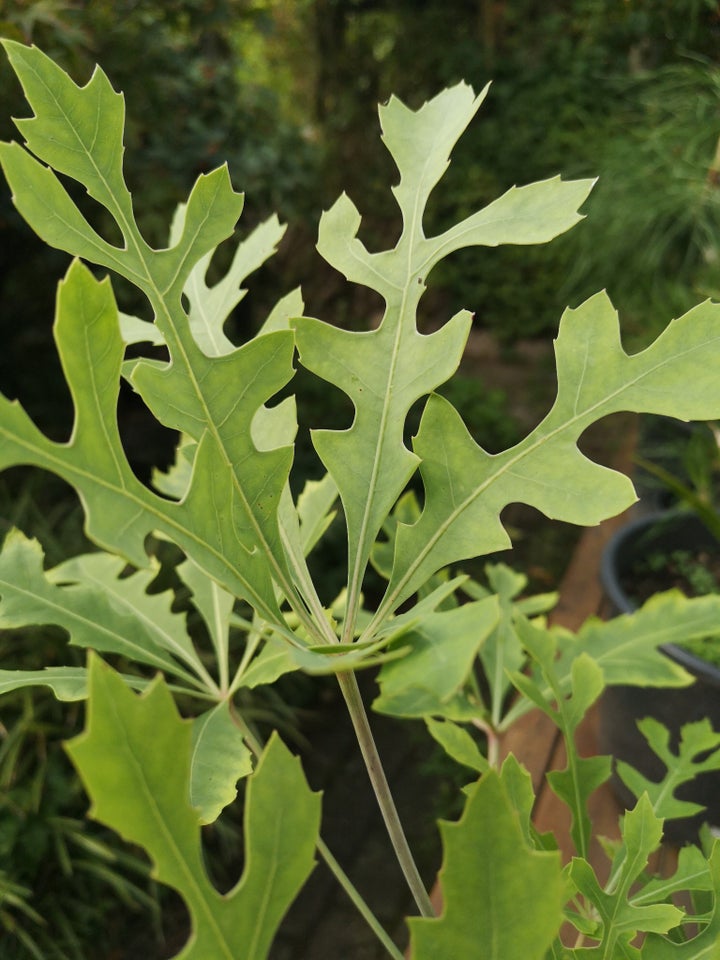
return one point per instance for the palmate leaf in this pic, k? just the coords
(466, 488)
(503, 899)
(212, 400)
(386, 370)
(134, 759)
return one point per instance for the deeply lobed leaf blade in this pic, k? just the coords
(140, 787)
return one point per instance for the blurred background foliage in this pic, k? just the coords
(285, 92)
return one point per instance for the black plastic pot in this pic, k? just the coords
(622, 706)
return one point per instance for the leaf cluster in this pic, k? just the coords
(227, 506)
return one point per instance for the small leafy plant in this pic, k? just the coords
(226, 505)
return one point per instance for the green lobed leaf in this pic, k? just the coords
(120, 511)
(421, 141)
(466, 488)
(627, 648)
(140, 787)
(693, 874)
(219, 398)
(218, 760)
(213, 403)
(44, 203)
(501, 897)
(621, 918)
(698, 751)
(210, 306)
(86, 148)
(78, 131)
(386, 370)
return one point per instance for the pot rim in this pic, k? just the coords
(609, 565)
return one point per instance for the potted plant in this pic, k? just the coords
(677, 547)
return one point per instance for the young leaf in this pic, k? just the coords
(698, 751)
(621, 918)
(502, 654)
(503, 900)
(134, 758)
(566, 708)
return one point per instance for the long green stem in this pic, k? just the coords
(347, 885)
(330, 861)
(356, 708)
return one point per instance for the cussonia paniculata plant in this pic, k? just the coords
(226, 505)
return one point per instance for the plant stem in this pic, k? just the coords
(356, 708)
(337, 871)
(347, 885)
